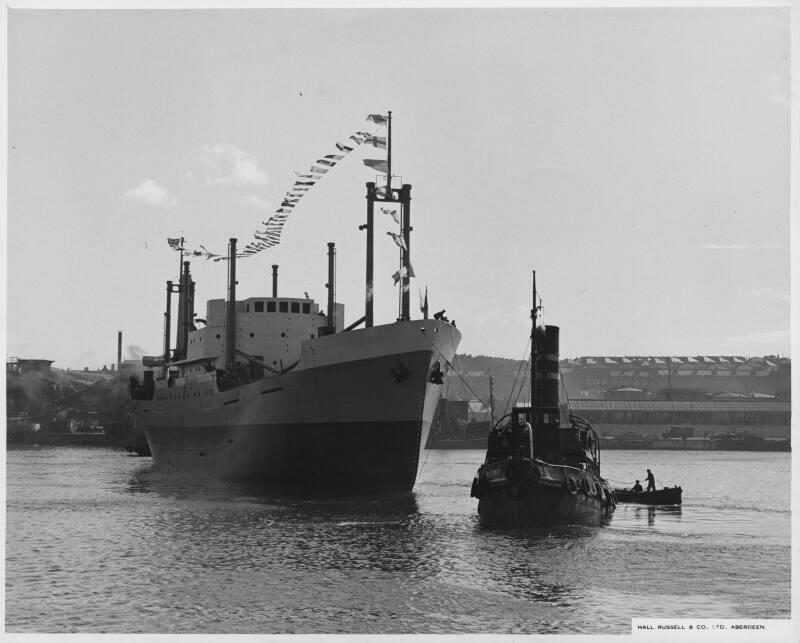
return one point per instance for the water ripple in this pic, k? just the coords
(99, 542)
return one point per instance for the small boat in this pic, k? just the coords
(665, 496)
(539, 469)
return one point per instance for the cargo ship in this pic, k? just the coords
(273, 389)
(542, 464)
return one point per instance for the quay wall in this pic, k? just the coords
(654, 431)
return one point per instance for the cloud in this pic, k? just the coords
(153, 194)
(737, 246)
(224, 163)
(254, 200)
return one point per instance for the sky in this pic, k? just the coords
(638, 159)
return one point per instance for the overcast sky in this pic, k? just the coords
(637, 159)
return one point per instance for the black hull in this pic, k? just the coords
(125, 436)
(519, 492)
(659, 497)
(544, 506)
(364, 458)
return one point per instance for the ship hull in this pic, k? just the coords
(665, 496)
(352, 417)
(350, 456)
(519, 493)
(545, 506)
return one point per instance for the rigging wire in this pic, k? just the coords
(522, 363)
(466, 384)
(453, 368)
(564, 391)
(522, 386)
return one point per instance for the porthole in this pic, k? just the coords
(283, 334)
(218, 335)
(252, 334)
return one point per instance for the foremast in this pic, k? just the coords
(402, 197)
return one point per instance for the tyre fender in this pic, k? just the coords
(570, 485)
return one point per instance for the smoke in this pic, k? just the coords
(30, 393)
(136, 352)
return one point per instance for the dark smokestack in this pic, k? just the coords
(230, 320)
(405, 300)
(547, 373)
(179, 326)
(331, 287)
(184, 319)
(191, 305)
(274, 280)
(167, 323)
(119, 350)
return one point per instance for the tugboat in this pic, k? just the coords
(539, 469)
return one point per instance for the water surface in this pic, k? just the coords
(99, 541)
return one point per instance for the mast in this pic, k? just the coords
(180, 271)
(491, 398)
(533, 353)
(369, 226)
(230, 317)
(389, 156)
(403, 196)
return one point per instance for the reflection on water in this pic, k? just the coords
(100, 542)
(672, 512)
(519, 561)
(295, 529)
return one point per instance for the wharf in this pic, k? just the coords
(696, 444)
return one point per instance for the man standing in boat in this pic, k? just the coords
(651, 481)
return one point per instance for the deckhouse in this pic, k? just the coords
(269, 330)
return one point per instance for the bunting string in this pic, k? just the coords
(269, 235)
